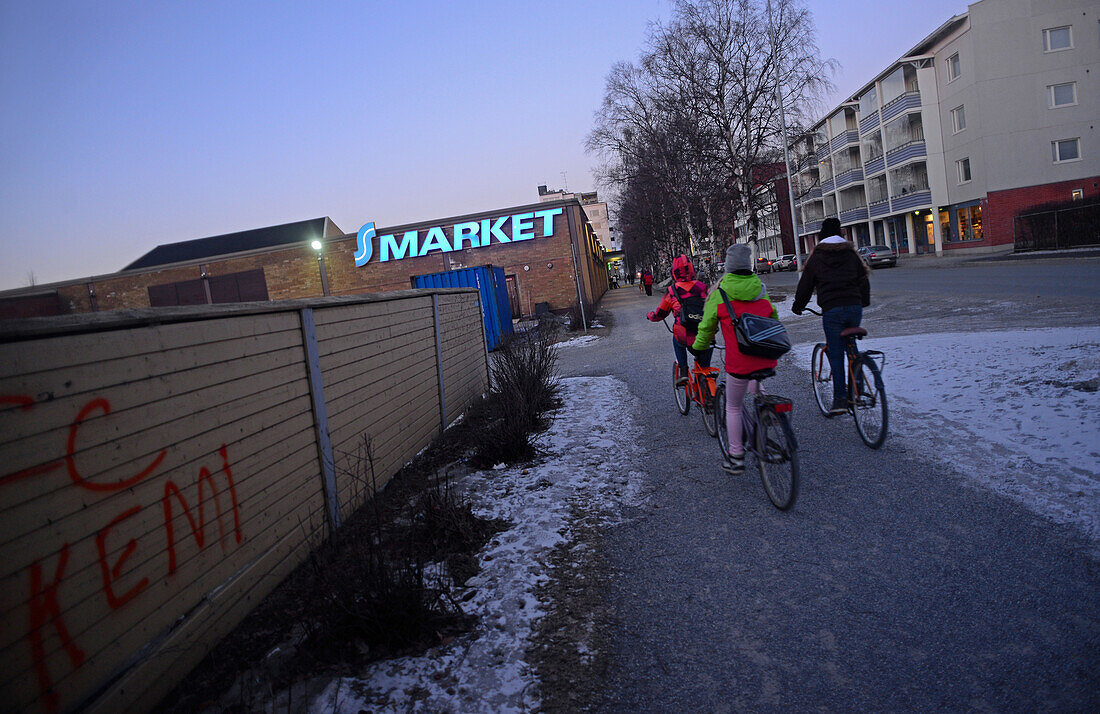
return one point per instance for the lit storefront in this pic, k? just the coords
(548, 251)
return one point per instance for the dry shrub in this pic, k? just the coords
(524, 389)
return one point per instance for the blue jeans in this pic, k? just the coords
(681, 356)
(833, 321)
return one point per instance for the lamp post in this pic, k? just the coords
(319, 247)
(786, 159)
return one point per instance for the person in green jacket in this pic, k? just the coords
(745, 293)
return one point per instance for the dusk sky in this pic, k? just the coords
(125, 125)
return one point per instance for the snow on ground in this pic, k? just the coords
(577, 341)
(591, 462)
(1015, 411)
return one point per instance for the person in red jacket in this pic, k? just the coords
(684, 291)
(745, 293)
(647, 282)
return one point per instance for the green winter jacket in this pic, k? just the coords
(737, 287)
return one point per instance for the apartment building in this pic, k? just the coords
(595, 211)
(991, 116)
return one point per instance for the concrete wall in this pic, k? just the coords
(162, 470)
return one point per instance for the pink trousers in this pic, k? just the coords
(735, 397)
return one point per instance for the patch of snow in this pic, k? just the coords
(592, 461)
(1015, 411)
(577, 341)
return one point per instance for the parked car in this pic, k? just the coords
(878, 256)
(783, 262)
(763, 265)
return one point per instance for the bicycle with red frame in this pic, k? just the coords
(700, 387)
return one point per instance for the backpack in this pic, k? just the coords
(758, 336)
(691, 309)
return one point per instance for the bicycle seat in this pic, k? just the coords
(760, 374)
(855, 332)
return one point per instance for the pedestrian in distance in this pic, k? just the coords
(647, 282)
(839, 277)
(742, 290)
(684, 299)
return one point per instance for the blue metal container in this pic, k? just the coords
(496, 312)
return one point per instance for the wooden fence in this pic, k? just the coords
(161, 471)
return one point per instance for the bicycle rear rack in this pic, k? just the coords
(877, 356)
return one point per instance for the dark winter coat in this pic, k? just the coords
(837, 274)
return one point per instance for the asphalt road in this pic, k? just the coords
(892, 585)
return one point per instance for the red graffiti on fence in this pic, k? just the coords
(44, 603)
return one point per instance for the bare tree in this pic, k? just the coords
(697, 117)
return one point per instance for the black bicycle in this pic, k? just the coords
(766, 434)
(866, 392)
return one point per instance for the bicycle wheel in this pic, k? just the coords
(720, 419)
(683, 401)
(871, 413)
(822, 375)
(707, 408)
(777, 458)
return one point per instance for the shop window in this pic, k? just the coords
(1056, 39)
(1062, 95)
(1066, 150)
(970, 222)
(945, 226)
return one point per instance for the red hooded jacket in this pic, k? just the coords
(684, 274)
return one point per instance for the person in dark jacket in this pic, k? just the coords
(838, 275)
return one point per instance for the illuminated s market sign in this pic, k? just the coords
(479, 234)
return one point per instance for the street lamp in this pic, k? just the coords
(317, 246)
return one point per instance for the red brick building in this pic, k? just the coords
(548, 251)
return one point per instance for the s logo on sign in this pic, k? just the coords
(365, 249)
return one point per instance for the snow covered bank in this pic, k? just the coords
(577, 341)
(1015, 411)
(591, 463)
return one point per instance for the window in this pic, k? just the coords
(958, 118)
(970, 223)
(1077, 194)
(1063, 95)
(1066, 150)
(1056, 39)
(963, 167)
(954, 67)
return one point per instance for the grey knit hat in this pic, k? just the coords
(738, 257)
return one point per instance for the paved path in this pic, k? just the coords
(891, 586)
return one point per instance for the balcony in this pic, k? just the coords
(859, 213)
(913, 149)
(910, 200)
(828, 186)
(849, 177)
(907, 101)
(849, 137)
(874, 166)
(815, 192)
(811, 227)
(878, 208)
(869, 122)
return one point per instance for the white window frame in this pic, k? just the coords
(1046, 38)
(1050, 95)
(952, 75)
(959, 111)
(1055, 153)
(959, 170)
